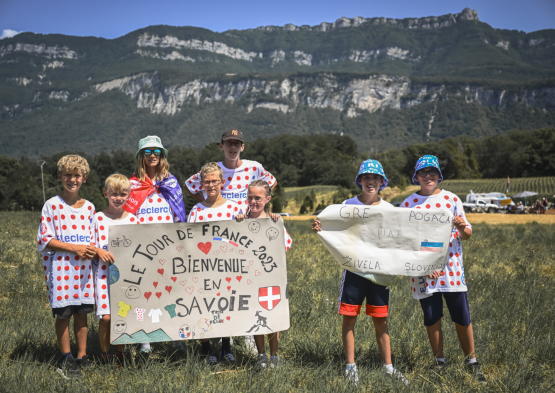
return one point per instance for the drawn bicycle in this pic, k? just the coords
(124, 241)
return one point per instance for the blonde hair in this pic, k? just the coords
(209, 168)
(267, 191)
(117, 182)
(162, 169)
(73, 162)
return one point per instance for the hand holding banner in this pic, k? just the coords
(404, 242)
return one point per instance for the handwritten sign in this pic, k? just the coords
(191, 281)
(372, 240)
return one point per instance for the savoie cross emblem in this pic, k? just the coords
(269, 297)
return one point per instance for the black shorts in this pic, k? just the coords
(67, 311)
(457, 303)
(354, 289)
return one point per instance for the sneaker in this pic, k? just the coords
(396, 373)
(228, 358)
(69, 365)
(250, 344)
(179, 346)
(211, 360)
(439, 367)
(474, 369)
(352, 375)
(275, 362)
(85, 362)
(262, 361)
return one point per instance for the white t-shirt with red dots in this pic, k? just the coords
(101, 223)
(69, 280)
(452, 275)
(227, 211)
(237, 181)
(155, 210)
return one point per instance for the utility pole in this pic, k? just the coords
(41, 163)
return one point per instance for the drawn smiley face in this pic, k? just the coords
(254, 227)
(272, 233)
(185, 331)
(133, 292)
(120, 327)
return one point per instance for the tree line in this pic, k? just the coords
(296, 161)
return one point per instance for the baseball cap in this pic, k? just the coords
(232, 133)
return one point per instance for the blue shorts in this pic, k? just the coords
(457, 303)
(354, 289)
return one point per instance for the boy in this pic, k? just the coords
(66, 244)
(355, 288)
(116, 189)
(237, 173)
(214, 208)
(449, 284)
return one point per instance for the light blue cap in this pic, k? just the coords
(372, 166)
(426, 162)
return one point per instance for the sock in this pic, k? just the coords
(351, 366)
(64, 355)
(470, 361)
(274, 357)
(440, 360)
(226, 345)
(389, 367)
(205, 348)
(145, 346)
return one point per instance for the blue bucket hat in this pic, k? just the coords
(371, 166)
(426, 162)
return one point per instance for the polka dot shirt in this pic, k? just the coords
(156, 210)
(227, 211)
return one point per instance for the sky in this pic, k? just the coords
(114, 18)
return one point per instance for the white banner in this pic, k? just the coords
(372, 240)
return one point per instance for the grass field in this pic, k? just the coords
(511, 275)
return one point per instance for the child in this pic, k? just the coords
(156, 195)
(258, 199)
(66, 243)
(355, 288)
(237, 173)
(214, 208)
(449, 284)
(116, 189)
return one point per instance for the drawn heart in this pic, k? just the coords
(231, 250)
(160, 271)
(249, 282)
(223, 248)
(251, 262)
(174, 279)
(228, 288)
(195, 279)
(218, 294)
(216, 252)
(183, 282)
(257, 273)
(239, 278)
(162, 261)
(189, 290)
(179, 248)
(228, 279)
(228, 318)
(158, 294)
(247, 267)
(241, 252)
(147, 295)
(200, 290)
(169, 289)
(155, 283)
(204, 247)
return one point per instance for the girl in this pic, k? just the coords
(258, 201)
(156, 195)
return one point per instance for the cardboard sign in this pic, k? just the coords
(373, 240)
(191, 281)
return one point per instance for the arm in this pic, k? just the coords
(273, 185)
(198, 196)
(106, 256)
(85, 252)
(464, 231)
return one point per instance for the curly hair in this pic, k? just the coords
(73, 162)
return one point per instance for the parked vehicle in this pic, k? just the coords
(496, 198)
(285, 214)
(480, 206)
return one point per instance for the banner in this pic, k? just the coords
(191, 281)
(373, 240)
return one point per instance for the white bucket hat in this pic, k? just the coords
(151, 141)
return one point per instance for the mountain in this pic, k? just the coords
(142, 337)
(384, 82)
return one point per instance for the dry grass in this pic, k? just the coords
(495, 219)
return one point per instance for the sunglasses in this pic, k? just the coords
(148, 152)
(431, 172)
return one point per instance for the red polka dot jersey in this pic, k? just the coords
(101, 278)
(68, 278)
(155, 210)
(227, 211)
(236, 181)
(452, 277)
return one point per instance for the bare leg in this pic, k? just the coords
(466, 338)
(274, 343)
(62, 334)
(348, 333)
(435, 335)
(104, 333)
(382, 337)
(80, 331)
(259, 341)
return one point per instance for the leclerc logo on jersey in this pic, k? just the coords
(237, 196)
(269, 297)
